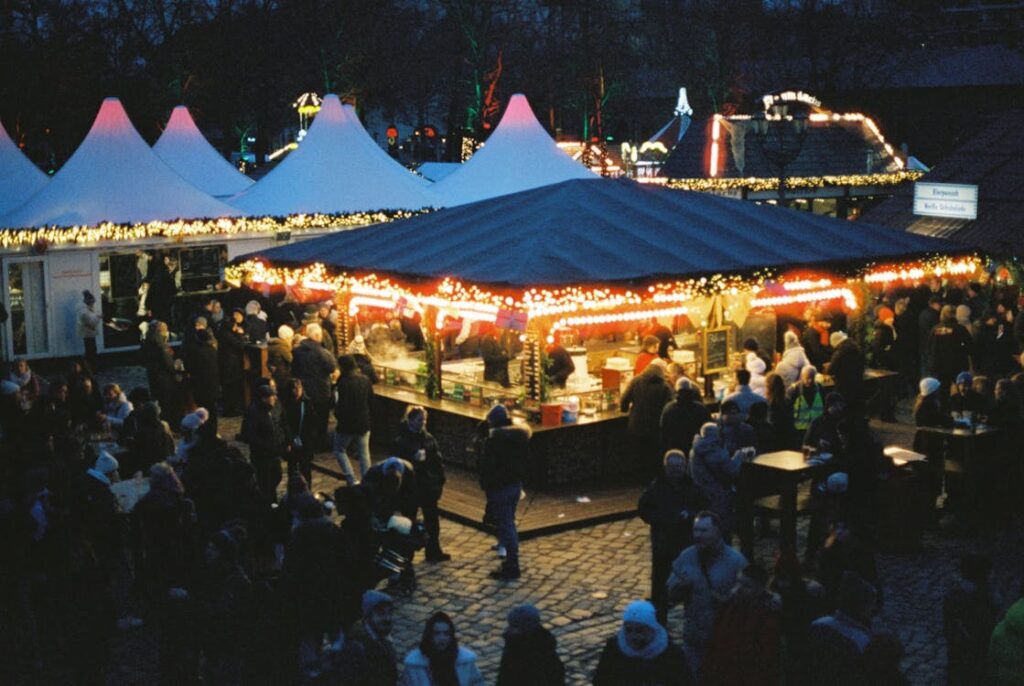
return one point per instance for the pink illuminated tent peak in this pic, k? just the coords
(114, 176)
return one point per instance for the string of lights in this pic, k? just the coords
(585, 305)
(42, 238)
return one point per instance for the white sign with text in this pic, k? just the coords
(951, 200)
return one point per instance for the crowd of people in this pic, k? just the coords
(247, 582)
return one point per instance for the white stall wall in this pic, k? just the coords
(71, 272)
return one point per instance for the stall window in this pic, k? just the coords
(26, 293)
(166, 283)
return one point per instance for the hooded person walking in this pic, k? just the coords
(531, 656)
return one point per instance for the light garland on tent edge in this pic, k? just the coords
(42, 238)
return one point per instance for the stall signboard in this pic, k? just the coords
(949, 200)
(717, 344)
(511, 319)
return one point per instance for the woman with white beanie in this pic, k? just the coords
(641, 652)
(928, 412)
(794, 359)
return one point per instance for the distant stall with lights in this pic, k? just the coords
(838, 163)
(587, 265)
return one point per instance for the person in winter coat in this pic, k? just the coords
(269, 441)
(682, 418)
(415, 444)
(746, 641)
(648, 353)
(502, 467)
(995, 347)
(815, 339)
(88, 323)
(744, 396)
(224, 600)
(166, 523)
(969, 613)
(755, 364)
(116, 408)
(152, 441)
(371, 640)
(803, 601)
(644, 399)
(641, 653)
(318, 370)
(668, 506)
(715, 472)
(794, 359)
(255, 323)
(231, 363)
(702, 577)
(847, 369)
(906, 348)
(780, 415)
(203, 367)
(300, 416)
(315, 578)
(949, 348)
(440, 660)
(883, 341)
(530, 657)
(279, 356)
(357, 349)
(495, 359)
(355, 393)
(1006, 648)
(158, 358)
(927, 320)
(836, 643)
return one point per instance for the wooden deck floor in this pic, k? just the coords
(539, 514)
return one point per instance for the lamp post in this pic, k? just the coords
(780, 137)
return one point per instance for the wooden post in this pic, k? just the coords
(433, 344)
(344, 327)
(533, 370)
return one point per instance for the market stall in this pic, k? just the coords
(475, 305)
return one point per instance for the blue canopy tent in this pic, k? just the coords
(601, 231)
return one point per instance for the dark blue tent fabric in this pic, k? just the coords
(601, 231)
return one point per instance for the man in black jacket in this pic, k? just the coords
(353, 414)
(415, 444)
(318, 370)
(301, 417)
(269, 440)
(682, 418)
(668, 507)
(203, 368)
(502, 468)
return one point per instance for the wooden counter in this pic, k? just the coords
(592, 448)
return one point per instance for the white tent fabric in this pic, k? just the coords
(518, 156)
(115, 176)
(185, 150)
(336, 169)
(19, 178)
(435, 171)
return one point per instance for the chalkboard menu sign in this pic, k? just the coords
(717, 344)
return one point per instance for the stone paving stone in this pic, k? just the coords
(583, 579)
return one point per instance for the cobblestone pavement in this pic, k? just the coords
(581, 581)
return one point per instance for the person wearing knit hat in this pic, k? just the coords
(641, 652)
(105, 468)
(530, 656)
(836, 338)
(929, 385)
(372, 639)
(502, 466)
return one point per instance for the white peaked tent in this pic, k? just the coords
(518, 156)
(19, 178)
(336, 169)
(185, 150)
(115, 176)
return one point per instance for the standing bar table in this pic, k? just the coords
(779, 472)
